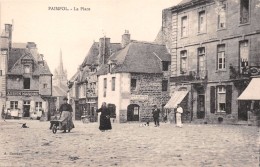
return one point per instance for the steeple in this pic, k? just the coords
(61, 71)
(60, 74)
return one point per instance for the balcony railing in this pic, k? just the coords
(200, 75)
(237, 72)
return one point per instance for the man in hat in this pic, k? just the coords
(156, 114)
(66, 115)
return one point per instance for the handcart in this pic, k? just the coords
(57, 125)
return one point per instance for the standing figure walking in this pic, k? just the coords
(105, 123)
(179, 111)
(66, 115)
(156, 114)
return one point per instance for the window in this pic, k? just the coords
(244, 55)
(26, 69)
(45, 85)
(1, 72)
(112, 110)
(113, 83)
(184, 26)
(222, 15)
(202, 22)
(164, 85)
(105, 87)
(221, 57)
(26, 83)
(133, 84)
(221, 99)
(244, 11)
(201, 60)
(165, 65)
(14, 104)
(183, 66)
(38, 106)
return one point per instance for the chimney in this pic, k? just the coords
(33, 50)
(104, 50)
(125, 39)
(8, 32)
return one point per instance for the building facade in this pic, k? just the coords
(5, 45)
(214, 46)
(83, 85)
(29, 83)
(133, 80)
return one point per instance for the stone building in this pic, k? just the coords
(83, 85)
(133, 80)
(29, 82)
(214, 47)
(5, 45)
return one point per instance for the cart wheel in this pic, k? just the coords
(54, 129)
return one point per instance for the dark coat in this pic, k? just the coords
(156, 113)
(65, 107)
(105, 123)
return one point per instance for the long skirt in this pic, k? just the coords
(66, 118)
(178, 120)
(105, 123)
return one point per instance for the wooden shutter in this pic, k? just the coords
(212, 99)
(228, 98)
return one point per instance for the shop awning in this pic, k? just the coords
(176, 98)
(252, 91)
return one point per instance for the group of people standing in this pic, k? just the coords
(156, 115)
(105, 123)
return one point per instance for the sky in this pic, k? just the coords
(73, 32)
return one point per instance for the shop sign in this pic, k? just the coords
(139, 97)
(22, 93)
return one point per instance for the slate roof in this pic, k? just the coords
(92, 55)
(14, 55)
(187, 3)
(138, 57)
(15, 67)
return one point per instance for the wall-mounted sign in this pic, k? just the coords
(139, 97)
(22, 93)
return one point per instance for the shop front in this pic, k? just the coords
(250, 98)
(25, 104)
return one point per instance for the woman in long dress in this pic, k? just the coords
(66, 116)
(178, 116)
(105, 123)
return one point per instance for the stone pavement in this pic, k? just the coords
(128, 145)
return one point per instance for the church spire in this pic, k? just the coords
(61, 71)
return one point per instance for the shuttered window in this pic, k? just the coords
(228, 99)
(212, 99)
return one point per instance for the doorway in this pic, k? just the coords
(201, 107)
(133, 112)
(26, 109)
(243, 108)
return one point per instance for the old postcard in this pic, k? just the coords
(130, 83)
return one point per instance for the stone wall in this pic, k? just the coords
(149, 85)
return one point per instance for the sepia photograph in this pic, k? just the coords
(130, 83)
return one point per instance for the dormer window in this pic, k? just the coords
(27, 69)
(93, 69)
(111, 65)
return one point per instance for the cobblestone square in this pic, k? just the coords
(128, 145)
